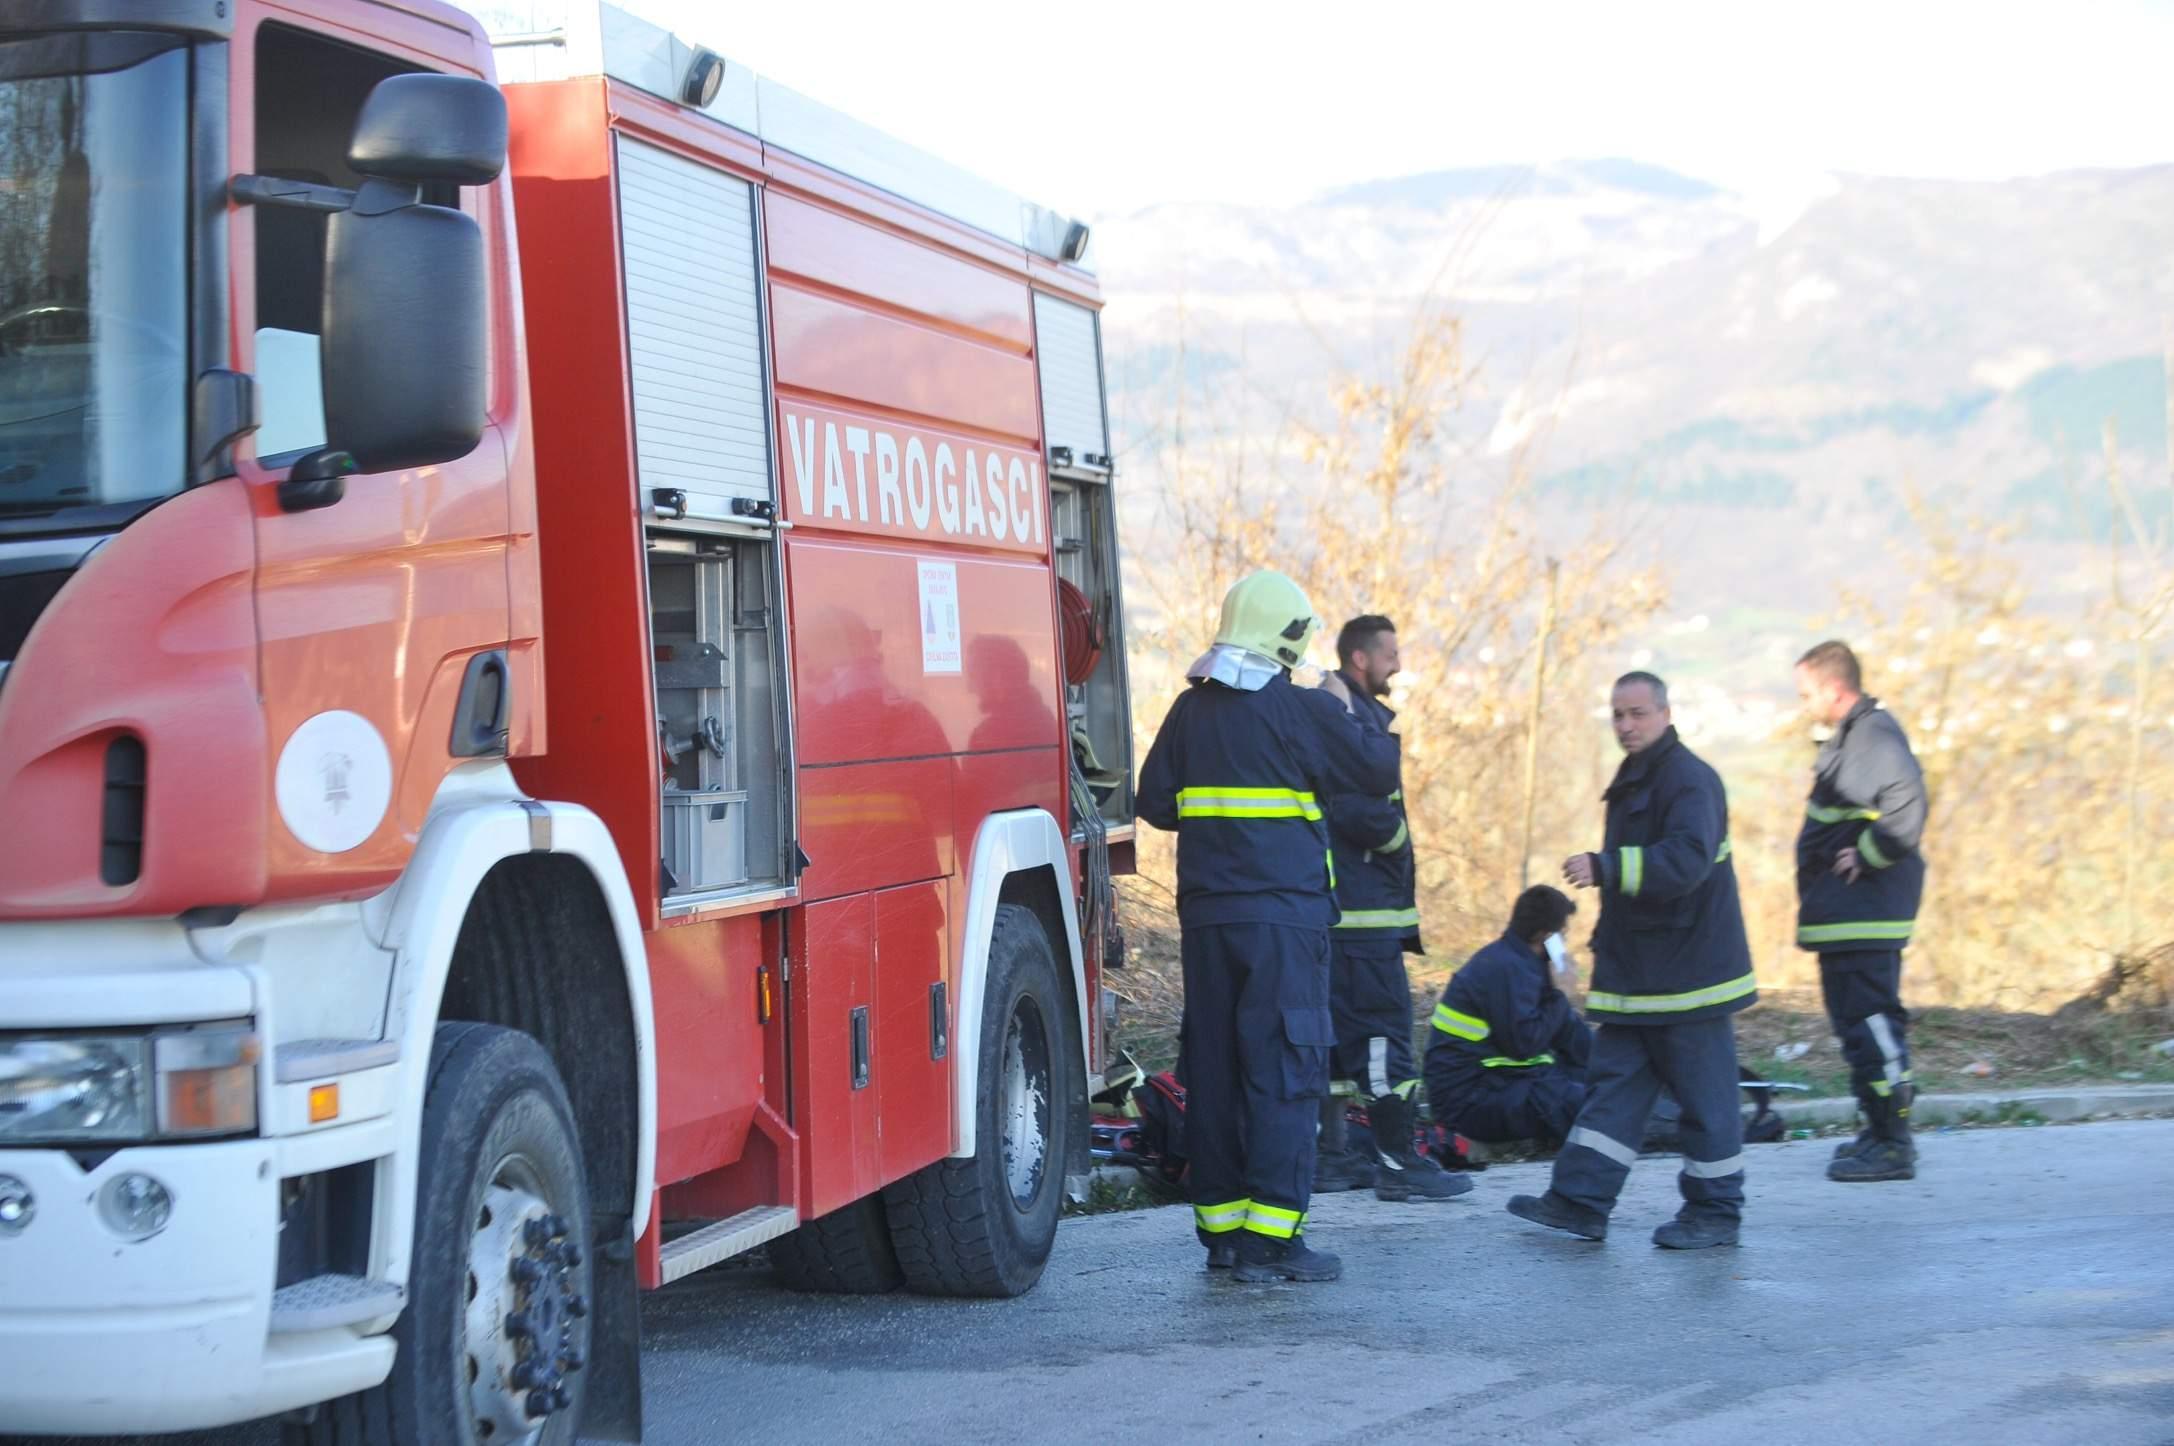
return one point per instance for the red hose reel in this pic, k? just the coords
(1081, 632)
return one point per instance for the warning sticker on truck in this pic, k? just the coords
(940, 617)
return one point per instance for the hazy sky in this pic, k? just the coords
(1100, 106)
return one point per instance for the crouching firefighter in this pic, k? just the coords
(1859, 879)
(1238, 770)
(1670, 966)
(1370, 995)
(1507, 1055)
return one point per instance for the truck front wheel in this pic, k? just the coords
(496, 1331)
(984, 1226)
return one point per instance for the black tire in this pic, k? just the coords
(494, 1111)
(984, 1226)
(847, 1252)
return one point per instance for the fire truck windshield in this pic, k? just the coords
(94, 167)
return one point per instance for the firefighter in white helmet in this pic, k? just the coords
(1239, 769)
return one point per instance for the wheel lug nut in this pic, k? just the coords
(526, 1271)
(572, 1359)
(526, 1375)
(577, 1306)
(520, 1324)
(540, 1402)
(561, 1397)
(537, 1232)
(570, 1253)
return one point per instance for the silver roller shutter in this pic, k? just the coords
(694, 329)
(1071, 366)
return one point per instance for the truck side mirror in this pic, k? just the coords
(431, 128)
(405, 351)
(405, 323)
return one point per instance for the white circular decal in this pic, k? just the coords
(334, 781)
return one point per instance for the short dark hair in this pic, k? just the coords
(1540, 910)
(1834, 661)
(1651, 680)
(1360, 633)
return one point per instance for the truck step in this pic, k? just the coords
(324, 1301)
(700, 1249)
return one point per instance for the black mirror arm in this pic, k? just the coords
(377, 196)
(381, 197)
(291, 195)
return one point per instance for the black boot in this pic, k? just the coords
(1335, 1128)
(1400, 1172)
(1260, 1258)
(1347, 1170)
(1867, 1103)
(1693, 1231)
(1558, 1213)
(1888, 1155)
(1336, 1166)
(1899, 1123)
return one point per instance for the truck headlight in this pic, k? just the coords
(88, 1088)
(117, 1088)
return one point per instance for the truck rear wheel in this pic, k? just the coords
(847, 1252)
(496, 1330)
(984, 1226)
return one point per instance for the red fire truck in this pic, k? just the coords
(563, 711)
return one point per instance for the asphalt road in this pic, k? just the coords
(2021, 1289)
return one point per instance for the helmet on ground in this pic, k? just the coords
(1267, 613)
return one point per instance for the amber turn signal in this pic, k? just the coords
(207, 1082)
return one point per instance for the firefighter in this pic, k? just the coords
(1859, 878)
(1370, 995)
(1507, 1055)
(1670, 965)
(1238, 770)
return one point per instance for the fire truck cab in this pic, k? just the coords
(562, 710)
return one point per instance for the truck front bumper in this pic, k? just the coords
(101, 1334)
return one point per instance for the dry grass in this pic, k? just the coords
(2107, 1035)
(2038, 706)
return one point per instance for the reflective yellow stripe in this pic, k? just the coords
(1330, 855)
(1463, 1026)
(1727, 848)
(1246, 803)
(1867, 930)
(1397, 840)
(1498, 1062)
(1672, 1003)
(1868, 849)
(1881, 1088)
(1820, 814)
(1379, 919)
(1397, 797)
(1634, 869)
(1221, 1219)
(1274, 1220)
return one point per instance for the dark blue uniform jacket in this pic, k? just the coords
(1670, 944)
(1376, 880)
(1242, 777)
(1867, 794)
(1499, 1014)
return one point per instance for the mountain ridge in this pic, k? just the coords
(1652, 342)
